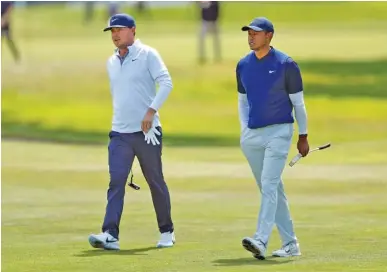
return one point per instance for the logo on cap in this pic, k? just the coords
(120, 20)
(259, 24)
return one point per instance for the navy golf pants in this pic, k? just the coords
(123, 147)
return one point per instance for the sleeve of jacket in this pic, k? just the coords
(161, 76)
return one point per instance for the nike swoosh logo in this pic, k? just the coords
(134, 59)
(110, 241)
(270, 72)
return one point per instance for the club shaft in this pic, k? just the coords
(299, 156)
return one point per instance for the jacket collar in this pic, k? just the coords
(131, 48)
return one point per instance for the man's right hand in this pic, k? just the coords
(146, 123)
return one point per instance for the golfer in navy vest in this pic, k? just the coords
(269, 88)
(134, 70)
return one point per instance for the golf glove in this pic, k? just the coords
(150, 136)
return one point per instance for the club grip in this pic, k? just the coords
(295, 159)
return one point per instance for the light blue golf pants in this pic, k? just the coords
(266, 150)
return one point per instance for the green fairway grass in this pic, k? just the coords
(53, 197)
(54, 193)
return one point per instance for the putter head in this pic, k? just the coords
(134, 186)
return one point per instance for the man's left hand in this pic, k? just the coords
(146, 123)
(303, 145)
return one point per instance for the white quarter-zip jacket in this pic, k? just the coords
(133, 83)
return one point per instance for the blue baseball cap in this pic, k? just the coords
(260, 24)
(120, 20)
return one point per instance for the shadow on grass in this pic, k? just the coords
(332, 79)
(101, 252)
(251, 261)
(340, 79)
(36, 132)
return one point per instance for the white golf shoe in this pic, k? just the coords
(254, 246)
(291, 249)
(104, 240)
(167, 239)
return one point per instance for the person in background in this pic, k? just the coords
(113, 8)
(6, 10)
(89, 11)
(141, 6)
(209, 16)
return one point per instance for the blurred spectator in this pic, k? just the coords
(6, 10)
(113, 8)
(209, 19)
(142, 7)
(89, 12)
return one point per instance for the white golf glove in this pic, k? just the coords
(150, 136)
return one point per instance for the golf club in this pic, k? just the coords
(299, 156)
(131, 184)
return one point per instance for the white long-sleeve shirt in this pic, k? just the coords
(133, 86)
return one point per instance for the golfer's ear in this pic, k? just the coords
(269, 35)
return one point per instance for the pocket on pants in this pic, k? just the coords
(159, 129)
(278, 147)
(114, 141)
(113, 134)
(246, 135)
(283, 131)
(160, 139)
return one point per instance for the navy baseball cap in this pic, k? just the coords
(120, 20)
(260, 24)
